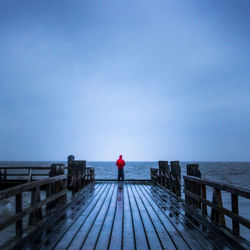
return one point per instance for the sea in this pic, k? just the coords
(233, 173)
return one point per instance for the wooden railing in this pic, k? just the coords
(56, 194)
(78, 180)
(196, 197)
(168, 176)
(6, 172)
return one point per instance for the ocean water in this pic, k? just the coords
(234, 173)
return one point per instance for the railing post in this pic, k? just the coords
(163, 172)
(235, 210)
(48, 194)
(37, 214)
(30, 175)
(193, 170)
(77, 169)
(5, 174)
(216, 216)
(79, 178)
(176, 173)
(204, 197)
(19, 207)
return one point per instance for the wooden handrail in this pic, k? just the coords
(195, 196)
(4, 194)
(31, 209)
(23, 167)
(29, 167)
(225, 187)
(56, 193)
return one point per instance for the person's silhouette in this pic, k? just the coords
(120, 163)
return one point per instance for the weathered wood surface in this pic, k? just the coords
(168, 176)
(35, 209)
(4, 194)
(218, 212)
(127, 215)
(222, 186)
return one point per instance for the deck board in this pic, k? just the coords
(94, 231)
(116, 239)
(87, 224)
(128, 227)
(152, 236)
(105, 233)
(56, 233)
(126, 215)
(141, 240)
(163, 234)
(71, 233)
(175, 210)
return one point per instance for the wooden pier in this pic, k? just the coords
(134, 214)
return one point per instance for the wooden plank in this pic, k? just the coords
(187, 231)
(23, 167)
(96, 228)
(29, 210)
(173, 229)
(106, 229)
(227, 212)
(67, 237)
(79, 204)
(208, 239)
(162, 233)
(27, 174)
(152, 236)
(216, 216)
(140, 235)
(4, 194)
(128, 227)
(223, 235)
(204, 197)
(225, 187)
(127, 180)
(79, 238)
(116, 239)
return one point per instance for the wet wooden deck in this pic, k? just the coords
(126, 215)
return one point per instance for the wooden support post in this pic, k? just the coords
(193, 170)
(64, 198)
(30, 175)
(160, 172)
(37, 214)
(216, 216)
(74, 185)
(154, 175)
(79, 180)
(204, 196)
(235, 210)
(93, 174)
(48, 194)
(19, 207)
(176, 173)
(5, 174)
(204, 206)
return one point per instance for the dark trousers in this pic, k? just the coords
(120, 174)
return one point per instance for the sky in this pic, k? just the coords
(152, 80)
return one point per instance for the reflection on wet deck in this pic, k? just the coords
(127, 215)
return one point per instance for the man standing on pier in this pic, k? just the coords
(120, 163)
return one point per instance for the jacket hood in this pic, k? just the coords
(120, 156)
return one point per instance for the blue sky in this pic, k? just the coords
(147, 79)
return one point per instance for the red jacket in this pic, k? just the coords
(120, 163)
